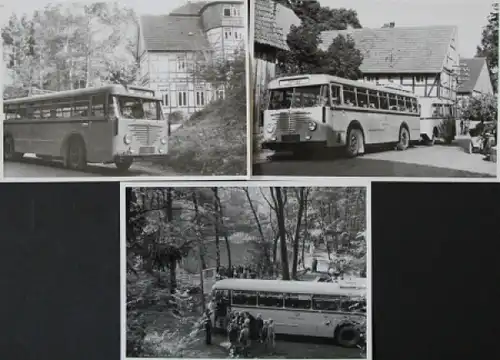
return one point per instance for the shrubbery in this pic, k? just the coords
(213, 141)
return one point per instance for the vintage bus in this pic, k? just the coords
(304, 308)
(438, 120)
(327, 111)
(109, 124)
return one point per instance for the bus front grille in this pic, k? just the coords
(291, 123)
(145, 134)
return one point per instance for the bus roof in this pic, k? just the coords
(318, 79)
(298, 287)
(136, 91)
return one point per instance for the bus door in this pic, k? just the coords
(335, 100)
(299, 319)
(99, 130)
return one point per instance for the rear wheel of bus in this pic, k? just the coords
(123, 164)
(355, 141)
(347, 336)
(9, 151)
(404, 139)
(76, 155)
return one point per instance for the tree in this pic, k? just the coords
(340, 59)
(484, 107)
(489, 45)
(279, 205)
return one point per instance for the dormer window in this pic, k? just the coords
(231, 11)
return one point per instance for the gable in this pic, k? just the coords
(478, 76)
(399, 50)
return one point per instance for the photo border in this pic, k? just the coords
(184, 184)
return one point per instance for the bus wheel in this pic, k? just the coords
(76, 158)
(9, 151)
(404, 139)
(123, 164)
(347, 336)
(354, 142)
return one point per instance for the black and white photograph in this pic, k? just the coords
(375, 88)
(124, 89)
(250, 271)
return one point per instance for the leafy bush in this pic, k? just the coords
(484, 107)
(213, 140)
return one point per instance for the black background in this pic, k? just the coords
(435, 271)
(60, 271)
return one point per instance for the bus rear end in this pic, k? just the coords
(140, 129)
(296, 117)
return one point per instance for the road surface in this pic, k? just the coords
(418, 161)
(31, 167)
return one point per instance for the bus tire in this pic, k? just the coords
(75, 155)
(347, 336)
(404, 138)
(9, 150)
(123, 164)
(354, 142)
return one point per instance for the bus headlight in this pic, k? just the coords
(312, 126)
(163, 140)
(127, 139)
(270, 128)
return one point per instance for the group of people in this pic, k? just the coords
(238, 272)
(242, 330)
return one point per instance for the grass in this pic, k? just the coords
(211, 142)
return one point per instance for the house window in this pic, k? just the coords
(419, 79)
(200, 98)
(229, 11)
(165, 99)
(220, 94)
(228, 33)
(182, 98)
(181, 64)
(237, 35)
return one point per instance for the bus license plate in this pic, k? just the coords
(290, 138)
(146, 150)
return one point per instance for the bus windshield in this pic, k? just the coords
(298, 97)
(136, 108)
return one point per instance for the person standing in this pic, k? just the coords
(259, 324)
(208, 328)
(245, 337)
(314, 265)
(270, 334)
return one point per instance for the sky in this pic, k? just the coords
(470, 16)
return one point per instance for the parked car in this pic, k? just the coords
(482, 140)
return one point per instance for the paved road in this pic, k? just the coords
(31, 167)
(418, 161)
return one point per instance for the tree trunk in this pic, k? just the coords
(282, 233)
(221, 217)
(259, 227)
(173, 276)
(297, 234)
(216, 229)
(306, 233)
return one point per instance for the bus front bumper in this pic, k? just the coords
(290, 146)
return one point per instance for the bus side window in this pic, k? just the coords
(353, 305)
(326, 303)
(294, 301)
(384, 104)
(98, 102)
(247, 298)
(267, 299)
(373, 99)
(393, 102)
(362, 98)
(335, 91)
(349, 96)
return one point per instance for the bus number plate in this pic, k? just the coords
(290, 138)
(146, 150)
